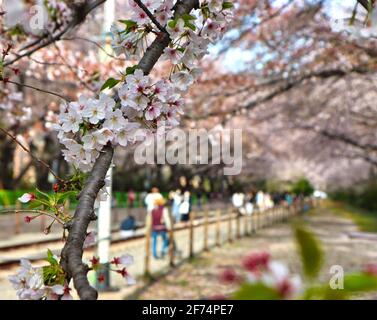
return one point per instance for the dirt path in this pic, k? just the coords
(200, 278)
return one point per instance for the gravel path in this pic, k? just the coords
(199, 279)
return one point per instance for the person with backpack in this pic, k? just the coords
(128, 227)
(159, 222)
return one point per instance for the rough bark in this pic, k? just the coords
(71, 257)
(73, 250)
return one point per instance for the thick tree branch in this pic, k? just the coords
(73, 250)
(365, 3)
(71, 257)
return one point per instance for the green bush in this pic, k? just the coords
(302, 186)
(364, 196)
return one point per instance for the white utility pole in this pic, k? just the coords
(104, 222)
(104, 211)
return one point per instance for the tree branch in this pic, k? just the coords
(150, 15)
(288, 85)
(71, 256)
(365, 3)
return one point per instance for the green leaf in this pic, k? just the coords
(109, 83)
(47, 196)
(131, 70)
(63, 196)
(129, 23)
(190, 25)
(310, 251)
(359, 282)
(40, 202)
(188, 17)
(172, 23)
(34, 204)
(227, 5)
(50, 258)
(257, 291)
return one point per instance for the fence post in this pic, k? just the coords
(205, 246)
(245, 229)
(230, 226)
(238, 225)
(218, 217)
(191, 235)
(256, 222)
(17, 226)
(147, 251)
(251, 219)
(247, 225)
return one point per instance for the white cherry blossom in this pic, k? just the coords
(172, 54)
(95, 112)
(177, 30)
(153, 110)
(114, 120)
(26, 197)
(182, 80)
(70, 121)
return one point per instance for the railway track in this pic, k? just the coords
(36, 250)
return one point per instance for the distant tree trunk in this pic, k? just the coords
(6, 164)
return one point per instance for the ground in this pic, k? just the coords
(200, 278)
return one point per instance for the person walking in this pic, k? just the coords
(185, 206)
(176, 202)
(151, 198)
(158, 221)
(238, 202)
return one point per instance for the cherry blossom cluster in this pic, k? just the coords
(87, 125)
(260, 269)
(30, 285)
(190, 34)
(142, 105)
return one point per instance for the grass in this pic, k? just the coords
(365, 220)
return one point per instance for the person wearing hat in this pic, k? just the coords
(158, 221)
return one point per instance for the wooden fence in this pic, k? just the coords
(227, 226)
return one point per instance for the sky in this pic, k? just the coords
(236, 58)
